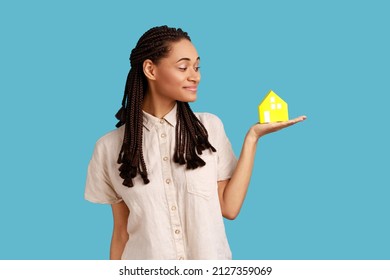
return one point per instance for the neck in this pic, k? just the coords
(157, 106)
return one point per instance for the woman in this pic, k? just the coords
(169, 174)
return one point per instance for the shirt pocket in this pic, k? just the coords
(202, 181)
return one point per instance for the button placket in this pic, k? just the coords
(170, 191)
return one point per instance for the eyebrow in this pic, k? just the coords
(186, 58)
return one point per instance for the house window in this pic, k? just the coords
(272, 99)
(279, 106)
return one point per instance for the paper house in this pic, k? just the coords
(273, 109)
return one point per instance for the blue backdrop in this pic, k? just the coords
(320, 189)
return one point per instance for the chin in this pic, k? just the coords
(188, 98)
(192, 100)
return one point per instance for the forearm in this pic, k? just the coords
(118, 243)
(236, 189)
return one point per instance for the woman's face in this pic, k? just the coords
(176, 77)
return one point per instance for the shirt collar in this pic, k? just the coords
(150, 120)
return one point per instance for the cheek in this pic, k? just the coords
(172, 79)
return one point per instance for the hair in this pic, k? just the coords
(191, 135)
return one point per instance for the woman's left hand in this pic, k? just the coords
(261, 129)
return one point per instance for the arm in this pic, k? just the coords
(232, 192)
(119, 235)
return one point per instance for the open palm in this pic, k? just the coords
(260, 129)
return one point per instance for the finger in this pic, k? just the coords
(301, 118)
(297, 120)
(281, 125)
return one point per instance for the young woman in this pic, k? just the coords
(170, 174)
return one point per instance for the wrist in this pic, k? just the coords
(252, 137)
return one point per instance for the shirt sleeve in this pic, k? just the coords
(227, 161)
(98, 187)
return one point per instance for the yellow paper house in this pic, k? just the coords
(273, 109)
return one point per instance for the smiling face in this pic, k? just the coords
(175, 77)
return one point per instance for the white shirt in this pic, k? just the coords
(177, 215)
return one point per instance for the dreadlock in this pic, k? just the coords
(191, 135)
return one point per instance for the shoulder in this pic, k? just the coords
(213, 125)
(111, 139)
(208, 119)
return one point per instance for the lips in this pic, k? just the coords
(192, 88)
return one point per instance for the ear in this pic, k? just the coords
(149, 69)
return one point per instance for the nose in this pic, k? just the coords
(194, 76)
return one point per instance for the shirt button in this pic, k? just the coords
(165, 158)
(163, 135)
(167, 181)
(162, 121)
(177, 231)
(173, 208)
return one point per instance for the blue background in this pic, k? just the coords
(319, 190)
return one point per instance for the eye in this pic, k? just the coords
(183, 68)
(196, 68)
